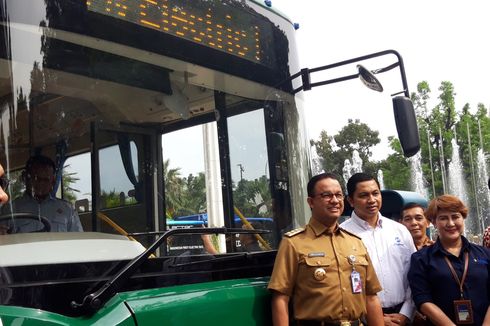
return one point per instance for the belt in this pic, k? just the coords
(305, 322)
(394, 309)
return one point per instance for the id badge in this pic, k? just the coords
(355, 279)
(463, 311)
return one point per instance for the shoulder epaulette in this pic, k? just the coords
(294, 232)
(350, 233)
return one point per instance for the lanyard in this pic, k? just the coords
(455, 276)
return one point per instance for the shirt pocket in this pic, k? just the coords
(58, 224)
(401, 252)
(316, 271)
(360, 265)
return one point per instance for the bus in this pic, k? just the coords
(153, 110)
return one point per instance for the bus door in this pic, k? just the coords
(125, 171)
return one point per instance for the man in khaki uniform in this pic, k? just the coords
(323, 268)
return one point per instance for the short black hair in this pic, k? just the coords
(409, 206)
(313, 181)
(357, 178)
(39, 160)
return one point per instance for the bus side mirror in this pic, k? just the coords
(406, 125)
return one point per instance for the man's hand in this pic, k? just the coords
(395, 319)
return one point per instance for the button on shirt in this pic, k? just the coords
(431, 280)
(313, 268)
(390, 246)
(61, 215)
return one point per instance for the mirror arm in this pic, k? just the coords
(385, 69)
(306, 73)
(335, 80)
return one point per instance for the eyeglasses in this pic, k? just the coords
(4, 182)
(328, 196)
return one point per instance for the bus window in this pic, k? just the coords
(76, 181)
(192, 186)
(250, 170)
(116, 188)
(183, 169)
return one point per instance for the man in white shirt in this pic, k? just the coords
(389, 245)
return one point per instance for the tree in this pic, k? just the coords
(68, 179)
(173, 188)
(436, 129)
(335, 150)
(396, 168)
(193, 196)
(253, 197)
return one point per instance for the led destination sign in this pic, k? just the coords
(227, 26)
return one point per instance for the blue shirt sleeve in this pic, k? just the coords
(418, 279)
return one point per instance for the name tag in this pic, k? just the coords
(316, 254)
(463, 311)
(356, 282)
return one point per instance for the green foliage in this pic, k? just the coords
(336, 149)
(68, 179)
(183, 196)
(115, 199)
(396, 169)
(253, 197)
(438, 126)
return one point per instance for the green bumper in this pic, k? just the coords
(236, 302)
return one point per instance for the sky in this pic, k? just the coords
(438, 40)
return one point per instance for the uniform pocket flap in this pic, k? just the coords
(361, 260)
(317, 261)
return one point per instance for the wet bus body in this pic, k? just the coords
(116, 91)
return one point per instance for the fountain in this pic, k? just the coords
(356, 162)
(381, 179)
(482, 191)
(457, 184)
(316, 162)
(346, 171)
(350, 168)
(483, 184)
(417, 182)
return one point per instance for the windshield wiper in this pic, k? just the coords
(95, 300)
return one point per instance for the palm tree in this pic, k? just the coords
(174, 186)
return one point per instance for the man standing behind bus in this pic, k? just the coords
(389, 244)
(413, 217)
(323, 268)
(37, 200)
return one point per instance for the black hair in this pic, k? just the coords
(313, 181)
(357, 178)
(39, 160)
(409, 206)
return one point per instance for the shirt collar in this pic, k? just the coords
(48, 198)
(465, 247)
(318, 228)
(365, 225)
